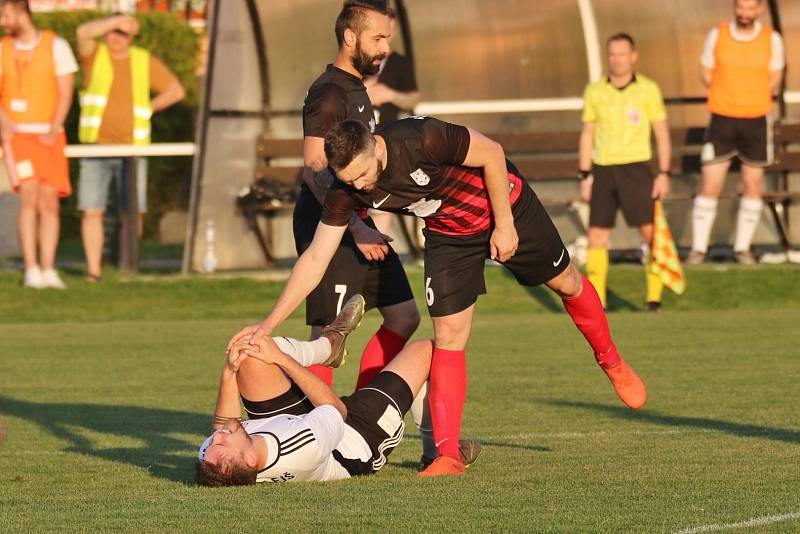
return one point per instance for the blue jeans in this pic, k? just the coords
(95, 179)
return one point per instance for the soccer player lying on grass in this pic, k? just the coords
(338, 439)
(476, 206)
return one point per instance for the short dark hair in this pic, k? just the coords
(622, 36)
(219, 475)
(353, 16)
(344, 142)
(22, 5)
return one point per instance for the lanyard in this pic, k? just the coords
(21, 63)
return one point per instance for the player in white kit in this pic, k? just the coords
(337, 439)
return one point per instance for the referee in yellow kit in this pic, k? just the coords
(614, 158)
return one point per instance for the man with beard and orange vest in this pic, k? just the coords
(36, 78)
(742, 66)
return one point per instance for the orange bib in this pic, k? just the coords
(29, 86)
(740, 79)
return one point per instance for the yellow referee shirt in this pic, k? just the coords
(622, 119)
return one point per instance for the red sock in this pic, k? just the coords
(324, 373)
(380, 350)
(587, 313)
(448, 390)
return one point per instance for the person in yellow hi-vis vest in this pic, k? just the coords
(619, 112)
(37, 70)
(115, 109)
(742, 66)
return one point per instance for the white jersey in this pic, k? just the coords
(301, 448)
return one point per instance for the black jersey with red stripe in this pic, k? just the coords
(424, 176)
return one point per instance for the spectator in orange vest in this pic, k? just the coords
(36, 82)
(742, 66)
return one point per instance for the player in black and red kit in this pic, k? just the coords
(475, 205)
(363, 263)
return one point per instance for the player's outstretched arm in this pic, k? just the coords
(488, 154)
(227, 406)
(317, 391)
(305, 276)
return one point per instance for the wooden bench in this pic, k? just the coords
(550, 157)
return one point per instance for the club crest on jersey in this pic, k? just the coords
(423, 208)
(420, 177)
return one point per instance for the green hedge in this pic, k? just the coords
(176, 44)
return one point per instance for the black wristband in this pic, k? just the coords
(668, 173)
(583, 175)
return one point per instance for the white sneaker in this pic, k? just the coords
(33, 278)
(51, 279)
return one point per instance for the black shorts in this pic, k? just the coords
(293, 402)
(376, 412)
(382, 283)
(728, 137)
(454, 264)
(629, 187)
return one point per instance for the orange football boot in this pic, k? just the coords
(443, 466)
(629, 387)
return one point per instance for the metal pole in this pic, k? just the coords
(129, 261)
(200, 141)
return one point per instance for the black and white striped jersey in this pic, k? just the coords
(300, 448)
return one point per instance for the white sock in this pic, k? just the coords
(703, 215)
(305, 353)
(421, 414)
(746, 222)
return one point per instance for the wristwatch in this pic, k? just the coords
(584, 175)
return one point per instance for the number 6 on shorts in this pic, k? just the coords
(428, 292)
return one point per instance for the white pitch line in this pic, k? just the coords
(612, 433)
(755, 522)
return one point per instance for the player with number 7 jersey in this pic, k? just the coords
(476, 206)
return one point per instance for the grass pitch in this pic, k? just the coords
(107, 390)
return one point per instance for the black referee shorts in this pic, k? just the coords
(728, 137)
(629, 187)
(454, 264)
(382, 283)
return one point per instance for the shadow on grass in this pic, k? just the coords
(729, 427)
(161, 454)
(551, 302)
(615, 302)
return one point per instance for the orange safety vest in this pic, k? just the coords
(29, 89)
(740, 79)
